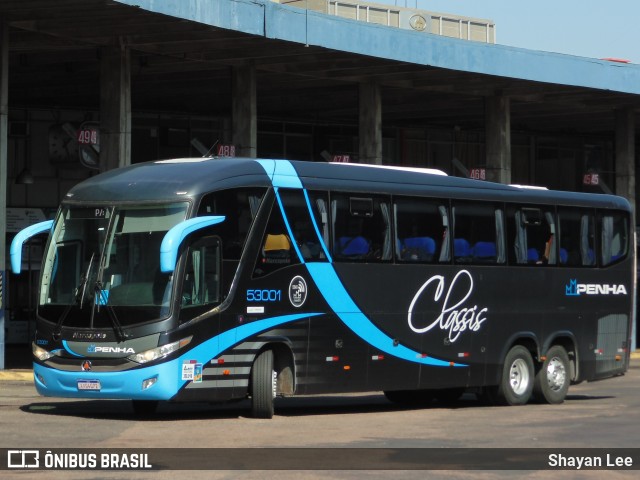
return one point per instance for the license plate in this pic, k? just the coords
(89, 385)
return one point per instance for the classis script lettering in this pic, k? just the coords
(455, 316)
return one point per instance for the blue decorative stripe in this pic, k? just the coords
(281, 173)
(315, 226)
(22, 236)
(174, 237)
(68, 349)
(331, 288)
(288, 226)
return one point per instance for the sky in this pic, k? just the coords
(586, 28)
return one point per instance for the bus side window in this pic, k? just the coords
(303, 229)
(576, 237)
(421, 230)
(239, 206)
(276, 249)
(201, 284)
(361, 228)
(532, 235)
(478, 233)
(614, 237)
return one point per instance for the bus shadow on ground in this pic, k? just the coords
(285, 407)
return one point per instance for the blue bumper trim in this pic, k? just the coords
(128, 384)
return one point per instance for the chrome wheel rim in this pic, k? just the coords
(556, 374)
(519, 377)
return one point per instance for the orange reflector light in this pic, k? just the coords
(618, 358)
(226, 372)
(346, 367)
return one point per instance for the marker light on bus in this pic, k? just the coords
(40, 353)
(149, 382)
(159, 352)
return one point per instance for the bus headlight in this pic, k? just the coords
(159, 352)
(40, 353)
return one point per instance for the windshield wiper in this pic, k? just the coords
(102, 299)
(83, 282)
(78, 297)
(100, 296)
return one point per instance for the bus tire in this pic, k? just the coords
(144, 408)
(551, 383)
(516, 384)
(263, 385)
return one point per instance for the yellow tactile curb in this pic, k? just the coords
(16, 375)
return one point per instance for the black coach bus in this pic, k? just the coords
(222, 279)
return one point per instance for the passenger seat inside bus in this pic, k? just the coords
(353, 247)
(461, 250)
(484, 252)
(418, 249)
(277, 249)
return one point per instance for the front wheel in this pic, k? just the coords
(551, 383)
(263, 385)
(516, 383)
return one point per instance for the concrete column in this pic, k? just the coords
(370, 131)
(4, 122)
(115, 107)
(625, 155)
(626, 172)
(244, 111)
(498, 138)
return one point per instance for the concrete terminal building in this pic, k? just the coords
(90, 85)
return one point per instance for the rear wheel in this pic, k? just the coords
(551, 383)
(263, 385)
(516, 383)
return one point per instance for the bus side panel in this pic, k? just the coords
(408, 304)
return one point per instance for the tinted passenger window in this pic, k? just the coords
(240, 207)
(277, 250)
(422, 230)
(302, 225)
(478, 233)
(614, 237)
(201, 284)
(532, 236)
(361, 228)
(576, 238)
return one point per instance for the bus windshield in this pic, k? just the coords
(104, 260)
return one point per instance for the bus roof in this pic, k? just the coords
(188, 178)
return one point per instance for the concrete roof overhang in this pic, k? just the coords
(308, 66)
